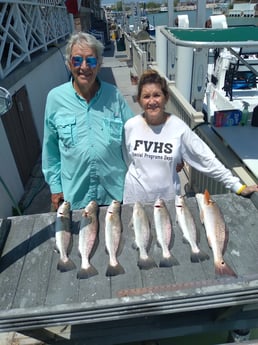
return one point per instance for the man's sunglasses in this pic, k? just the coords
(91, 61)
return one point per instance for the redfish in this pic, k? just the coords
(187, 225)
(88, 233)
(113, 231)
(216, 232)
(63, 237)
(164, 231)
(141, 226)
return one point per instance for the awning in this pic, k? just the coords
(211, 38)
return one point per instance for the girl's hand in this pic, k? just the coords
(249, 190)
(179, 166)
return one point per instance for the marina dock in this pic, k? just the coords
(56, 308)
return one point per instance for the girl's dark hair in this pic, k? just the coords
(151, 76)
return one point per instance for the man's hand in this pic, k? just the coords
(56, 199)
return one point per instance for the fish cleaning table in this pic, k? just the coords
(137, 305)
(244, 142)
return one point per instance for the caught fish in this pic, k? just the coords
(113, 230)
(216, 232)
(187, 225)
(163, 227)
(63, 237)
(89, 227)
(141, 226)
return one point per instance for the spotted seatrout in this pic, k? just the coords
(63, 237)
(88, 236)
(187, 225)
(141, 226)
(216, 232)
(113, 230)
(164, 231)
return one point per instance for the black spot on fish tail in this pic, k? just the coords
(66, 266)
(201, 256)
(87, 273)
(146, 264)
(168, 262)
(222, 268)
(114, 270)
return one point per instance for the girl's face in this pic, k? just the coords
(153, 101)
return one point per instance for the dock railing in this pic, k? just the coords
(28, 27)
(141, 52)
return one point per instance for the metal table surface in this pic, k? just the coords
(244, 142)
(159, 302)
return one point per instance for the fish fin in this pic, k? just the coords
(146, 264)
(200, 256)
(168, 262)
(114, 270)
(222, 268)
(134, 246)
(56, 250)
(66, 266)
(225, 241)
(209, 241)
(95, 246)
(185, 241)
(70, 246)
(120, 246)
(206, 197)
(87, 273)
(149, 242)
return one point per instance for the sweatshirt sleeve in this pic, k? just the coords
(197, 154)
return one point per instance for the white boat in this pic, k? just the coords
(243, 13)
(232, 82)
(163, 8)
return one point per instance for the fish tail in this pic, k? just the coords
(168, 261)
(65, 266)
(200, 256)
(146, 264)
(114, 270)
(85, 273)
(222, 268)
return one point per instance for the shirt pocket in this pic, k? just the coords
(114, 129)
(67, 131)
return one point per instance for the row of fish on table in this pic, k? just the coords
(210, 216)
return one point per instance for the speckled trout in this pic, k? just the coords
(63, 237)
(141, 226)
(187, 225)
(216, 232)
(113, 230)
(88, 238)
(164, 231)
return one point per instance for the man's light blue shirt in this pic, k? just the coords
(82, 145)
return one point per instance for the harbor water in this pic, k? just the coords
(161, 18)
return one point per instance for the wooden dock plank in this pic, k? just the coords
(32, 287)
(13, 257)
